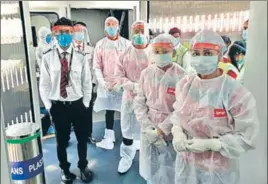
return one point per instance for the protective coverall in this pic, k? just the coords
(129, 68)
(214, 121)
(153, 106)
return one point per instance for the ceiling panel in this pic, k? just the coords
(186, 8)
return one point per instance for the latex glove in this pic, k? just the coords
(179, 139)
(153, 137)
(128, 86)
(202, 145)
(117, 88)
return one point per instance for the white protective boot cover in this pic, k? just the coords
(108, 140)
(127, 153)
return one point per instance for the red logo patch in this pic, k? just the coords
(171, 91)
(220, 113)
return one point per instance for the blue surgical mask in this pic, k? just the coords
(64, 39)
(79, 36)
(245, 35)
(163, 60)
(139, 39)
(205, 65)
(48, 39)
(111, 31)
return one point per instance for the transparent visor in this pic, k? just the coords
(162, 48)
(138, 29)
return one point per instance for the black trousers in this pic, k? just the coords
(64, 115)
(109, 117)
(90, 112)
(89, 117)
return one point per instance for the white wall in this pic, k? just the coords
(254, 163)
(103, 4)
(59, 6)
(55, 6)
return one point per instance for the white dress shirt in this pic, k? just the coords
(80, 84)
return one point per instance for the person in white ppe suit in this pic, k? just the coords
(153, 106)
(131, 64)
(45, 41)
(214, 120)
(106, 55)
(81, 42)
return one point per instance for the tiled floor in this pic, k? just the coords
(102, 162)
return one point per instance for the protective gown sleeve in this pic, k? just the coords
(140, 107)
(90, 60)
(97, 64)
(242, 108)
(45, 83)
(86, 82)
(38, 55)
(120, 71)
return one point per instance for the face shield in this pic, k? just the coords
(162, 49)
(207, 48)
(44, 35)
(63, 35)
(111, 27)
(140, 33)
(80, 34)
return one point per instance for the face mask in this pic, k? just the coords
(205, 65)
(111, 31)
(48, 39)
(139, 39)
(79, 36)
(245, 35)
(163, 60)
(240, 61)
(64, 39)
(177, 41)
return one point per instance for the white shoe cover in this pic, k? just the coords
(109, 134)
(136, 144)
(127, 153)
(105, 144)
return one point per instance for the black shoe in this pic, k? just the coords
(67, 177)
(86, 175)
(92, 140)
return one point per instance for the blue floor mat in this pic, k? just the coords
(103, 163)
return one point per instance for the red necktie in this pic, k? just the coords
(79, 47)
(64, 76)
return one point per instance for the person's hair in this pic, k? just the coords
(174, 30)
(237, 47)
(226, 40)
(63, 22)
(80, 23)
